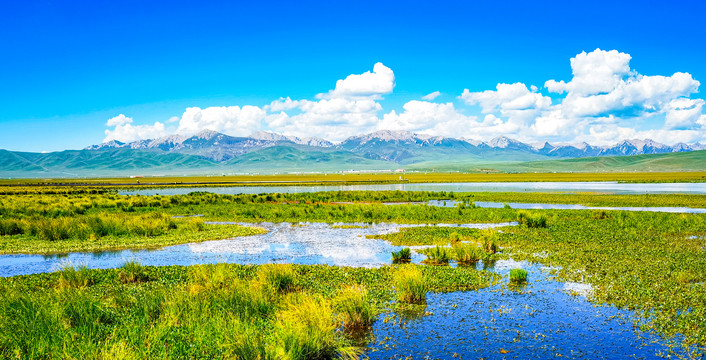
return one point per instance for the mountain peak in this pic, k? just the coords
(207, 134)
(272, 136)
(391, 135)
(112, 144)
(503, 142)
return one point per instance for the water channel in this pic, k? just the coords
(598, 186)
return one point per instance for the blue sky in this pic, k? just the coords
(66, 68)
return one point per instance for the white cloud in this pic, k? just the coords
(349, 109)
(684, 113)
(368, 84)
(423, 117)
(126, 132)
(605, 100)
(507, 97)
(118, 120)
(595, 72)
(231, 120)
(431, 96)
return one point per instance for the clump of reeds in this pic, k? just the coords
(404, 255)
(532, 220)
(209, 276)
(355, 308)
(488, 238)
(600, 214)
(306, 329)
(75, 277)
(437, 255)
(454, 237)
(132, 272)
(278, 277)
(410, 286)
(518, 276)
(467, 253)
(10, 227)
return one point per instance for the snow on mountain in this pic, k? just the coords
(389, 145)
(504, 142)
(315, 141)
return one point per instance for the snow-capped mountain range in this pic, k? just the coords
(398, 146)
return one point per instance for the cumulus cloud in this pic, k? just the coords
(350, 108)
(684, 113)
(118, 120)
(368, 84)
(507, 97)
(604, 101)
(231, 120)
(126, 132)
(431, 96)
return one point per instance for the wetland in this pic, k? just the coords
(104, 274)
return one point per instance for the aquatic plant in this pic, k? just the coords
(467, 253)
(306, 330)
(455, 237)
(234, 316)
(74, 277)
(354, 307)
(404, 255)
(518, 276)
(437, 255)
(488, 240)
(278, 277)
(531, 220)
(410, 286)
(132, 272)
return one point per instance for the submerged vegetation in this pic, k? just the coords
(208, 311)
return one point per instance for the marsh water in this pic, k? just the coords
(541, 320)
(298, 243)
(598, 186)
(545, 319)
(499, 205)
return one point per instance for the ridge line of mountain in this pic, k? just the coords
(220, 147)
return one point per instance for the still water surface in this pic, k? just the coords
(303, 243)
(541, 321)
(604, 187)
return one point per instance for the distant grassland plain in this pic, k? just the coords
(360, 178)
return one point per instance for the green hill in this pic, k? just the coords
(297, 158)
(682, 161)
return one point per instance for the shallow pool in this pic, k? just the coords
(302, 243)
(541, 321)
(499, 205)
(598, 186)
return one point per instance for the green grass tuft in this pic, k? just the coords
(531, 220)
(75, 277)
(355, 307)
(132, 272)
(404, 255)
(278, 277)
(437, 255)
(410, 285)
(518, 276)
(467, 253)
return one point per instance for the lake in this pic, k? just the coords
(604, 187)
